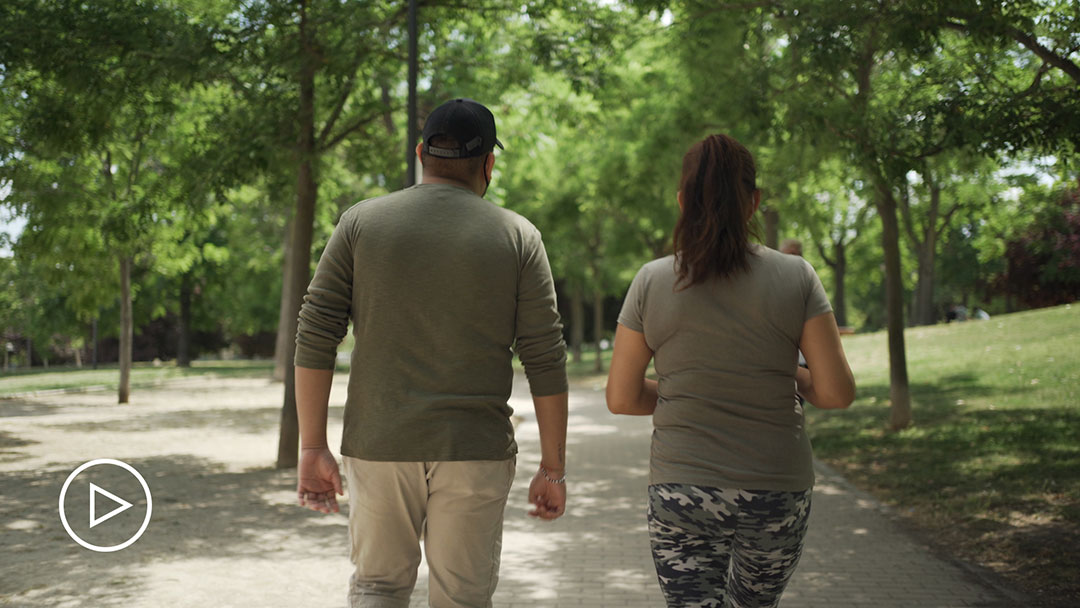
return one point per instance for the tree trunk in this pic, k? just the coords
(284, 338)
(410, 128)
(598, 329)
(924, 288)
(126, 330)
(926, 249)
(93, 338)
(772, 227)
(577, 322)
(183, 339)
(29, 353)
(388, 116)
(303, 224)
(839, 274)
(78, 358)
(899, 391)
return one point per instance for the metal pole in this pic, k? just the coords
(410, 144)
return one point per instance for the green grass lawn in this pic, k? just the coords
(991, 464)
(142, 374)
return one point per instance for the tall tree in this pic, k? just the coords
(94, 87)
(944, 186)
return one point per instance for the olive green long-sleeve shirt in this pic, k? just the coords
(440, 285)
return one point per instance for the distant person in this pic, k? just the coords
(440, 284)
(731, 470)
(791, 247)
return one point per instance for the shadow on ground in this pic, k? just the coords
(12, 408)
(247, 420)
(199, 510)
(993, 486)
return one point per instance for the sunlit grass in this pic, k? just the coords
(108, 376)
(995, 442)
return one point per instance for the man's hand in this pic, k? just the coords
(548, 499)
(319, 480)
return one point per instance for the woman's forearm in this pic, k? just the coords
(804, 382)
(649, 396)
(642, 405)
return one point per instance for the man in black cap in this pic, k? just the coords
(440, 285)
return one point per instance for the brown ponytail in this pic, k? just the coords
(712, 236)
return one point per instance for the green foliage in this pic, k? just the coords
(195, 103)
(1042, 265)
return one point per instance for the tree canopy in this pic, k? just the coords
(203, 150)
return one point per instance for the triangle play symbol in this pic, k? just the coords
(94, 491)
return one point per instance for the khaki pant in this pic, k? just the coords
(458, 509)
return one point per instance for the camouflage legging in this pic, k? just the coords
(725, 548)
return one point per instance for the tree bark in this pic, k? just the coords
(577, 322)
(926, 251)
(410, 129)
(126, 330)
(772, 227)
(899, 391)
(924, 289)
(94, 338)
(839, 268)
(183, 339)
(388, 116)
(885, 201)
(838, 264)
(598, 329)
(303, 225)
(284, 338)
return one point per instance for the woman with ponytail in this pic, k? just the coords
(731, 468)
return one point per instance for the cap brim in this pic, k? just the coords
(499, 143)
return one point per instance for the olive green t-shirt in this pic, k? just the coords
(440, 285)
(725, 354)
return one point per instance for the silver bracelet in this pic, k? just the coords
(543, 471)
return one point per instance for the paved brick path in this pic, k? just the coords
(597, 554)
(227, 531)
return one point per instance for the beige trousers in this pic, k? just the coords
(457, 507)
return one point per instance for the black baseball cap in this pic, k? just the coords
(465, 120)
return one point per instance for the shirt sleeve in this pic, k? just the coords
(633, 308)
(538, 330)
(817, 302)
(324, 315)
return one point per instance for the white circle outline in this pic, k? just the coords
(116, 463)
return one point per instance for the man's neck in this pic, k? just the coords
(432, 179)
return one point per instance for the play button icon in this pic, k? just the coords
(94, 491)
(107, 503)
